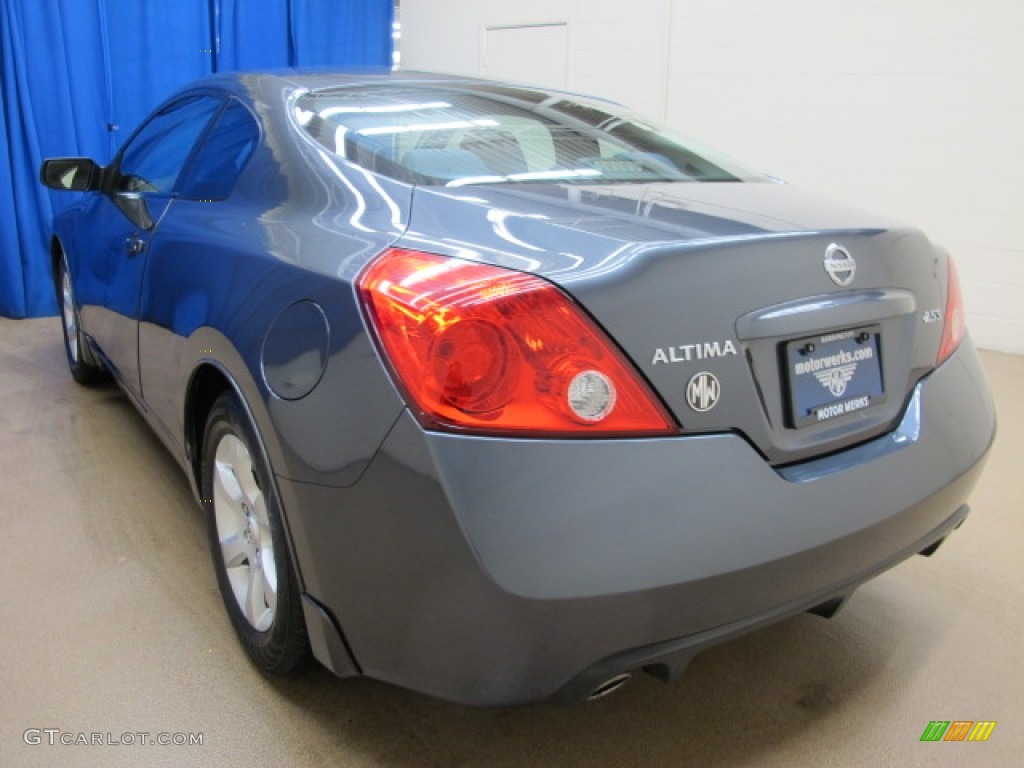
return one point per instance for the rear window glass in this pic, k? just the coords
(480, 134)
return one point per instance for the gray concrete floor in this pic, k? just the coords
(110, 623)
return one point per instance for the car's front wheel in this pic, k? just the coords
(247, 542)
(84, 367)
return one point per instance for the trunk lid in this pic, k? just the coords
(749, 307)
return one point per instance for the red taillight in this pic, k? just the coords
(486, 349)
(954, 325)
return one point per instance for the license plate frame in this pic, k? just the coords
(832, 375)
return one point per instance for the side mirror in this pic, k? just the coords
(78, 174)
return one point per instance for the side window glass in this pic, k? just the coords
(152, 161)
(222, 155)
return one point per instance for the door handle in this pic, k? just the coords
(133, 246)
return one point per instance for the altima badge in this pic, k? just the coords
(703, 391)
(840, 265)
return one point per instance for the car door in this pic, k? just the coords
(191, 263)
(140, 190)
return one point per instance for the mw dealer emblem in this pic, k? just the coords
(703, 391)
(840, 265)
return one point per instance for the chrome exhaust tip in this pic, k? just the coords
(609, 686)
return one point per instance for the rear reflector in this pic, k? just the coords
(954, 322)
(479, 348)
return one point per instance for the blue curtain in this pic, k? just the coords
(79, 75)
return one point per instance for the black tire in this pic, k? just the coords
(245, 525)
(84, 367)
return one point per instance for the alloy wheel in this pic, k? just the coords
(67, 311)
(243, 531)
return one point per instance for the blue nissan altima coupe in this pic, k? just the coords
(504, 395)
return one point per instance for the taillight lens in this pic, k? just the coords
(954, 322)
(485, 349)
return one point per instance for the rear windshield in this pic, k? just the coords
(482, 134)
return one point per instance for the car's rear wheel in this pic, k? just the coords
(247, 542)
(84, 367)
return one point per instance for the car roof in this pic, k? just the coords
(319, 78)
(290, 79)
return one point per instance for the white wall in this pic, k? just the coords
(616, 49)
(911, 107)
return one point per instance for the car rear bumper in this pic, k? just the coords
(500, 571)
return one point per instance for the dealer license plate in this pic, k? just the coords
(834, 375)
